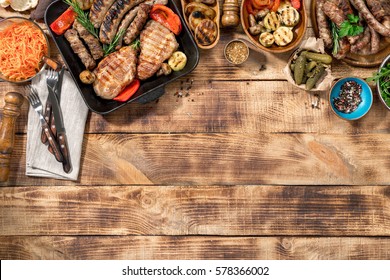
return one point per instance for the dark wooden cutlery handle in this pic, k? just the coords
(13, 102)
(47, 117)
(52, 142)
(66, 164)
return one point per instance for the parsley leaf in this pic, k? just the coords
(350, 27)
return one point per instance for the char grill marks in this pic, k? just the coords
(98, 10)
(78, 47)
(115, 72)
(113, 18)
(92, 42)
(157, 45)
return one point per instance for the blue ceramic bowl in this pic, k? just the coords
(363, 107)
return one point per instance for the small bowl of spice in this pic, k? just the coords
(236, 52)
(350, 98)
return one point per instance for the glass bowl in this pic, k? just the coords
(6, 23)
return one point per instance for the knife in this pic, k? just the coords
(61, 133)
(57, 91)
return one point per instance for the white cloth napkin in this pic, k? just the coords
(39, 161)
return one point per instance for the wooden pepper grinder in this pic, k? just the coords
(13, 102)
(230, 17)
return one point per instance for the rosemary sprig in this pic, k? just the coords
(136, 44)
(82, 17)
(336, 38)
(109, 48)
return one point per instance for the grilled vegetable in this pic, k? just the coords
(177, 61)
(206, 32)
(283, 36)
(195, 18)
(318, 71)
(266, 39)
(256, 29)
(87, 77)
(289, 17)
(63, 22)
(166, 17)
(199, 7)
(272, 21)
(299, 69)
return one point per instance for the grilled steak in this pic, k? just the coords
(157, 45)
(113, 18)
(138, 23)
(115, 72)
(98, 10)
(93, 43)
(78, 48)
(125, 24)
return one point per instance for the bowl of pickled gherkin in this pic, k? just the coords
(310, 70)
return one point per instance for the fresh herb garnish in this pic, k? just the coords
(383, 78)
(82, 17)
(350, 27)
(335, 37)
(109, 48)
(136, 44)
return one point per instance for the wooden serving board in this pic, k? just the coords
(373, 60)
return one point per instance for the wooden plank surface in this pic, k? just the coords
(193, 247)
(225, 159)
(212, 210)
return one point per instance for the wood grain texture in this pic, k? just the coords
(227, 159)
(180, 210)
(237, 107)
(198, 247)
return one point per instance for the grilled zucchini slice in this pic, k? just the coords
(266, 39)
(283, 36)
(195, 18)
(272, 21)
(289, 17)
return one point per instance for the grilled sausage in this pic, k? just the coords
(377, 9)
(334, 13)
(138, 23)
(375, 41)
(113, 18)
(323, 25)
(93, 43)
(370, 19)
(125, 24)
(79, 49)
(344, 48)
(98, 9)
(362, 43)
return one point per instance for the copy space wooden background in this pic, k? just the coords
(240, 167)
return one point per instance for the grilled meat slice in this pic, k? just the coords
(158, 44)
(138, 23)
(98, 10)
(113, 18)
(125, 24)
(78, 48)
(93, 43)
(115, 72)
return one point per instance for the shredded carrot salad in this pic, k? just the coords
(22, 46)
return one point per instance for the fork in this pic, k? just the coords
(48, 115)
(36, 103)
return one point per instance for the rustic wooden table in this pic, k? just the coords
(240, 167)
